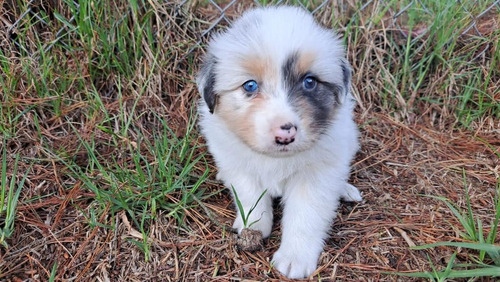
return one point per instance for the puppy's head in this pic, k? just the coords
(276, 79)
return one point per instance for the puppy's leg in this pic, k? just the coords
(248, 191)
(309, 208)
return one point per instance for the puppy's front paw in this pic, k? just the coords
(293, 264)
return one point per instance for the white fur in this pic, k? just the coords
(311, 176)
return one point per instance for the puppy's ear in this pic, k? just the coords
(346, 71)
(206, 81)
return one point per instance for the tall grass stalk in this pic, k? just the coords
(9, 196)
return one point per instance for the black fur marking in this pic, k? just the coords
(346, 70)
(209, 94)
(207, 71)
(289, 71)
(323, 99)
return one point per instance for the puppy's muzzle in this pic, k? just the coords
(285, 134)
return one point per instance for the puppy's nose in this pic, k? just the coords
(285, 134)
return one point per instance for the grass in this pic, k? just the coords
(9, 197)
(426, 42)
(101, 158)
(450, 272)
(161, 167)
(89, 102)
(487, 263)
(245, 215)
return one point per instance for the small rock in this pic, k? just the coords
(250, 240)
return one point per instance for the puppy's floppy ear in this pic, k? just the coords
(346, 72)
(206, 81)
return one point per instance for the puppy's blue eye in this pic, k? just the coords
(309, 83)
(250, 86)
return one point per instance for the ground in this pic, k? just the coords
(119, 186)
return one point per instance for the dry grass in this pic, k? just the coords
(416, 141)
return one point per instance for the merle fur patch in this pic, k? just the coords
(322, 100)
(208, 74)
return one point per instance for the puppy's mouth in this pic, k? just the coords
(281, 151)
(284, 150)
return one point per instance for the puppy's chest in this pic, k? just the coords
(274, 179)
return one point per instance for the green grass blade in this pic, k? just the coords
(53, 272)
(3, 185)
(240, 207)
(476, 246)
(452, 273)
(254, 206)
(477, 272)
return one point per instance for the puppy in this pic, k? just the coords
(276, 112)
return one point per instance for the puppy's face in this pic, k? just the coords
(277, 85)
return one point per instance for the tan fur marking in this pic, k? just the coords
(241, 121)
(262, 69)
(305, 62)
